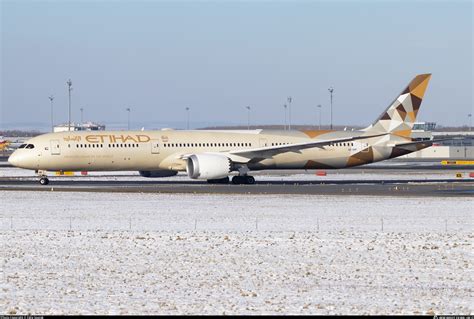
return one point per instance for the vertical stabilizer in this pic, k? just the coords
(399, 117)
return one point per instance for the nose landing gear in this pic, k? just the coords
(44, 180)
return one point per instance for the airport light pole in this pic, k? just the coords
(248, 117)
(187, 115)
(69, 84)
(128, 118)
(331, 89)
(289, 112)
(470, 121)
(82, 113)
(319, 106)
(51, 98)
(285, 107)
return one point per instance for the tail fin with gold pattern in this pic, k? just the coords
(399, 117)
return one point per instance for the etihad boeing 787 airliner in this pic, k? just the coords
(214, 155)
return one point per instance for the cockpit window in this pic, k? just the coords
(22, 146)
(30, 146)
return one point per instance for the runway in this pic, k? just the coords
(413, 187)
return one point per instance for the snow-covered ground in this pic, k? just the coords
(92, 253)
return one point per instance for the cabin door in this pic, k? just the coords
(55, 148)
(155, 147)
(263, 142)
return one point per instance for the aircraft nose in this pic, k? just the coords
(13, 159)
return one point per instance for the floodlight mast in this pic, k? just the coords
(289, 99)
(331, 89)
(187, 115)
(51, 98)
(128, 118)
(69, 84)
(248, 117)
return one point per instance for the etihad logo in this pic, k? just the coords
(104, 138)
(72, 138)
(117, 138)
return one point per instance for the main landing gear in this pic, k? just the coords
(243, 179)
(236, 180)
(224, 180)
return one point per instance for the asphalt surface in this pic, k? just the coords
(380, 187)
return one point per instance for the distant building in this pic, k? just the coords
(88, 126)
(422, 131)
(424, 126)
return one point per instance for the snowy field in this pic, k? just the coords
(111, 253)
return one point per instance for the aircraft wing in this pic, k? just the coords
(270, 151)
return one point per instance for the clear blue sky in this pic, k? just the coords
(159, 57)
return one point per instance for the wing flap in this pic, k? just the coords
(270, 151)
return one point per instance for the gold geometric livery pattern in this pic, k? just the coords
(400, 116)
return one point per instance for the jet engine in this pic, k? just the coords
(208, 166)
(159, 173)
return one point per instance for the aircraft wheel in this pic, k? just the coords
(224, 180)
(237, 180)
(44, 181)
(250, 180)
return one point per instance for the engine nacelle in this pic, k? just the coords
(159, 173)
(208, 166)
